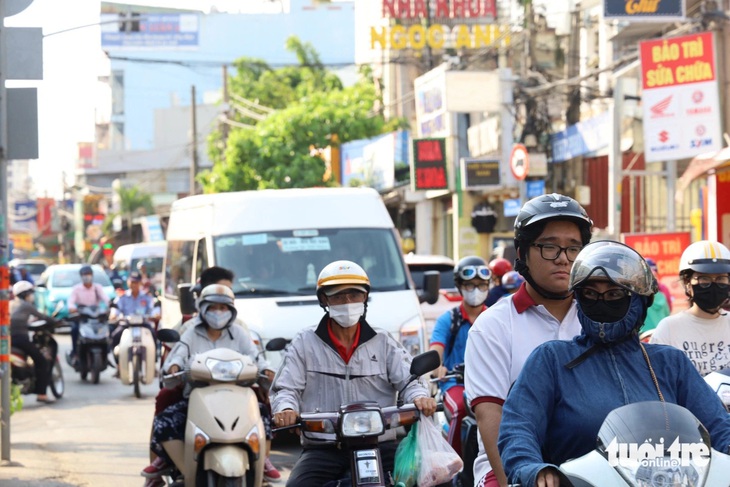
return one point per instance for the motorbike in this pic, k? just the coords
(94, 342)
(22, 369)
(355, 427)
(225, 440)
(719, 381)
(136, 352)
(649, 443)
(468, 430)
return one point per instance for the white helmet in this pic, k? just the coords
(705, 256)
(220, 294)
(21, 287)
(340, 275)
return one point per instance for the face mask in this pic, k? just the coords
(217, 319)
(475, 297)
(710, 298)
(594, 319)
(347, 314)
(87, 279)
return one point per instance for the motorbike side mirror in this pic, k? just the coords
(277, 344)
(422, 364)
(168, 335)
(431, 284)
(187, 299)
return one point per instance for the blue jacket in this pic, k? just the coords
(553, 413)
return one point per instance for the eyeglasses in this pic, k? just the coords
(705, 281)
(469, 272)
(346, 297)
(470, 287)
(552, 251)
(611, 295)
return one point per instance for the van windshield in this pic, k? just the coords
(288, 262)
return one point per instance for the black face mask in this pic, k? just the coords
(602, 311)
(710, 298)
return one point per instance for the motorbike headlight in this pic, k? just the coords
(362, 423)
(411, 335)
(224, 370)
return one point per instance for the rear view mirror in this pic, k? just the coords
(168, 335)
(187, 299)
(277, 344)
(431, 285)
(425, 362)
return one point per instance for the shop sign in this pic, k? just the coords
(480, 173)
(680, 97)
(644, 10)
(581, 139)
(429, 164)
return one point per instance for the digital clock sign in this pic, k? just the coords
(429, 163)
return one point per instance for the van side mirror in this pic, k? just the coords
(187, 299)
(431, 285)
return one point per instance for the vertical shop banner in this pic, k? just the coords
(666, 250)
(680, 97)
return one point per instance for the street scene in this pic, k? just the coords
(367, 243)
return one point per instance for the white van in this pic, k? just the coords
(128, 256)
(276, 242)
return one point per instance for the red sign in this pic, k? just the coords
(440, 9)
(519, 162)
(45, 214)
(677, 61)
(429, 162)
(666, 250)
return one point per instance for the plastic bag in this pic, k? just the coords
(439, 462)
(407, 460)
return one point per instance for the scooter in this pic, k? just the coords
(93, 344)
(225, 440)
(649, 443)
(355, 427)
(720, 383)
(22, 369)
(136, 352)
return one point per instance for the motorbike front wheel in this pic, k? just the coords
(96, 368)
(136, 365)
(58, 386)
(216, 480)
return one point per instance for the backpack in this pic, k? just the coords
(456, 320)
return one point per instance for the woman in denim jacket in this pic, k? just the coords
(567, 388)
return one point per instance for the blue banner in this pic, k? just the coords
(534, 188)
(581, 138)
(643, 11)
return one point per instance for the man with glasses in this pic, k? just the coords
(340, 361)
(550, 231)
(471, 277)
(702, 332)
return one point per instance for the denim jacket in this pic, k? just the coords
(553, 413)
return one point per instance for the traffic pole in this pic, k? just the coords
(4, 257)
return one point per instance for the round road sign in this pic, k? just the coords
(519, 162)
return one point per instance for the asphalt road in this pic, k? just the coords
(96, 435)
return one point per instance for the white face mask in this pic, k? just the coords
(475, 297)
(87, 279)
(217, 319)
(347, 314)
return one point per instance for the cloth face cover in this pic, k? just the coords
(86, 279)
(475, 297)
(217, 319)
(710, 298)
(347, 314)
(595, 319)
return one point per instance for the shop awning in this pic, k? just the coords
(697, 167)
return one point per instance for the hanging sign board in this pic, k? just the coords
(479, 173)
(429, 164)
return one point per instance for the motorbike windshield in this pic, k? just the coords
(287, 263)
(655, 443)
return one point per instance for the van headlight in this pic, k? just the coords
(362, 423)
(411, 336)
(223, 370)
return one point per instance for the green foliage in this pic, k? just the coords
(16, 399)
(132, 201)
(312, 107)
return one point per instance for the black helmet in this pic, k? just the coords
(469, 268)
(85, 269)
(552, 207)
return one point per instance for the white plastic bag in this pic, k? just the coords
(439, 462)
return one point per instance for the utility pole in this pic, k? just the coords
(4, 257)
(194, 143)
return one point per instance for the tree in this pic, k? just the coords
(311, 106)
(132, 202)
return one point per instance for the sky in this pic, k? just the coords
(72, 63)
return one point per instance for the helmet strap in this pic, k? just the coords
(522, 268)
